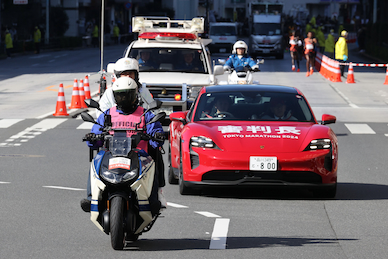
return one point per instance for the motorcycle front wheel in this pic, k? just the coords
(117, 223)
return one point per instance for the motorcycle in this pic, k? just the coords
(122, 181)
(241, 75)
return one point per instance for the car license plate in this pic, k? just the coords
(265, 50)
(222, 50)
(167, 110)
(261, 163)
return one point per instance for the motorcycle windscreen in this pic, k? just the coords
(119, 143)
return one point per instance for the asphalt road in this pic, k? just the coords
(44, 167)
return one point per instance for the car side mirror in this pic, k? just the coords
(218, 70)
(178, 116)
(328, 119)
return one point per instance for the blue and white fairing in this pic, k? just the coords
(142, 185)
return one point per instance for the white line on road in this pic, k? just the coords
(64, 188)
(207, 214)
(5, 123)
(344, 97)
(174, 205)
(4, 182)
(85, 125)
(220, 233)
(360, 128)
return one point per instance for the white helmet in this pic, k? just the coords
(125, 93)
(126, 64)
(240, 45)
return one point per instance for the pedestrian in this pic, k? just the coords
(37, 38)
(321, 39)
(329, 44)
(309, 46)
(95, 36)
(116, 33)
(8, 43)
(341, 50)
(295, 44)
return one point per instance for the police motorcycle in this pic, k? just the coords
(241, 75)
(122, 179)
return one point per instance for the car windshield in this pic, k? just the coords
(252, 106)
(170, 60)
(268, 29)
(223, 31)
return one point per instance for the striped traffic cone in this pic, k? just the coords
(350, 78)
(82, 93)
(386, 77)
(87, 88)
(61, 103)
(75, 99)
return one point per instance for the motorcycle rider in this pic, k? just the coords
(240, 58)
(125, 113)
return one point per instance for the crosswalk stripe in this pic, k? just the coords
(207, 214)
(6, 123)
(360, 128)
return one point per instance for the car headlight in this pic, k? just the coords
(319, 144)
(116, 178)
(202, 142)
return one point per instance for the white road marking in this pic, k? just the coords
(174, 205)
(360, 128)
(64, 188)
(386, 135)
(344, 97)
(207, 214)
(4, 182)
(5, 123)
(32, 132)
(45, 115)
(85, 125)
(220, 233)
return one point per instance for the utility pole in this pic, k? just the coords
(374, 11)
(102, 34)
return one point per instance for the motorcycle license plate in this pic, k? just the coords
(119, 162)
(265, 50)
(222, 50)
(261, 163)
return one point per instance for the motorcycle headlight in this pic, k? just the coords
(202, 142)
(319, 144)
(115, 178)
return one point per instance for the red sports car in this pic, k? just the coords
(252, 135)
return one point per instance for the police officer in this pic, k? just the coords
(240, 59)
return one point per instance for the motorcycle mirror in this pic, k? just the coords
(92, 103)
(158, 117)
(260, 61)
(221, 61)
(87, 117)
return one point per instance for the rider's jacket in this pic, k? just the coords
(121, 121)
(239, 63)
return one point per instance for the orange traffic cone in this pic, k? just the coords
(75, 99)
(82, 93)
(61, 103)
(350, 79)
(87, 88)
(386, 77)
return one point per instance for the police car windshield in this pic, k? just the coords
(253, 106)
(169, 60)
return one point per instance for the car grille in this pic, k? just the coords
(254, 176)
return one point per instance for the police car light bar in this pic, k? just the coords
(167, 35)
(165, 24)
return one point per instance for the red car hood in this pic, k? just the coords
(266, 137)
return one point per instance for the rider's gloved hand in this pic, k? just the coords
(256, 69)
(90, 137)
(160, 135)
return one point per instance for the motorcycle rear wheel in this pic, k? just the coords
(117, 223)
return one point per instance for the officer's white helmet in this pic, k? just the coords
(125, 93)
(240, 45)
(126, 64)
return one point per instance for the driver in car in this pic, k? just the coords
(145, 59)
(278, 110)
(220, 109)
